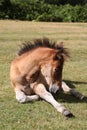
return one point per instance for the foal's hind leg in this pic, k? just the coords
(22, 97)
(44, 94)
(72, 91)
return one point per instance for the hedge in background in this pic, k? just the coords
(42, 10)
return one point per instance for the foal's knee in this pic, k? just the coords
(21, 97)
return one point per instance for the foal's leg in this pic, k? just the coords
(44, 94)
(72, 91)
(22, 98)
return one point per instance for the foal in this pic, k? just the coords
(37, 72)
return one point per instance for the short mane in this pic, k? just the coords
(45, 42)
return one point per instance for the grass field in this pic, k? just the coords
(40, 115)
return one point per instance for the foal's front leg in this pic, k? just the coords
(44, 94)
(66, 88)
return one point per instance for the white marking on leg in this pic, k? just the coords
(49, 98)
(33, 98)
(66, 88)
(22, 98)
(44, 94)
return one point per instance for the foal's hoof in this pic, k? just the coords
(82, 97)
(68, 114)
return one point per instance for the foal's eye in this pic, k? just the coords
(56, 69)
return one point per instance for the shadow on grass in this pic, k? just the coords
(70, 83)
(67, 97)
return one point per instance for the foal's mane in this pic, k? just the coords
(45, 42)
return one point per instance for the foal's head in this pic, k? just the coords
(53, 66)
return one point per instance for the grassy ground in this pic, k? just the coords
(41, 115)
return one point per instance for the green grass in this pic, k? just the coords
(40, 115)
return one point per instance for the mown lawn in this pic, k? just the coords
(40, 115)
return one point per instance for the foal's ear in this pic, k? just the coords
(60, 44)
(57, 57)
